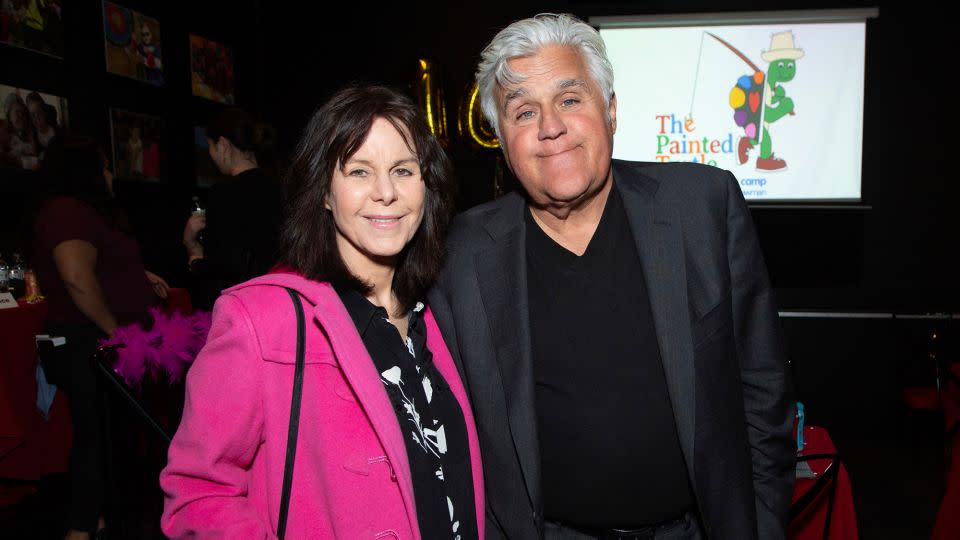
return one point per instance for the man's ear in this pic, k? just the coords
(612, 113)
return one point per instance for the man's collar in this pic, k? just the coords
(506, 215)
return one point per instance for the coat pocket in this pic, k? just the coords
(712, 323)
(325, 365)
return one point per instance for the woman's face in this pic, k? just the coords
(19, 116)
(376, 198)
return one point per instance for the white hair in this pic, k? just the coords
(526, 38)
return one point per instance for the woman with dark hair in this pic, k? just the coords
(94, 281)
(386, 443)
(242, 219)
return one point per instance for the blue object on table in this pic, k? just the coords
(799, 426)
(46, 392)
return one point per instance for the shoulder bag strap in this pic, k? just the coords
(294, 415)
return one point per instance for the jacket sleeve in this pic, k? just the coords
(205, 482)
(764, 371)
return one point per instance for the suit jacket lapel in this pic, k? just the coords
(443, 315)
(660, 246)
(502, 278)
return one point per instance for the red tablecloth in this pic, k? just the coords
(948, 519)
(30, 446)
(843, 519)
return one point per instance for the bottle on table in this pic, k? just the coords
(16, 276)
(198, 209)
(4, 274)
(32, 292)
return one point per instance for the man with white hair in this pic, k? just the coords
(614, 324)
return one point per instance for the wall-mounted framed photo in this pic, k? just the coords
(30, 122)
(211, 70)
(32, 24)
(132, 43)
(138, 146)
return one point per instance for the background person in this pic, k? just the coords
(92, 275)
(241, 225)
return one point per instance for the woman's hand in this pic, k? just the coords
(160, 286)
(195, 223)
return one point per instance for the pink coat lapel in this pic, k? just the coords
(359, 370)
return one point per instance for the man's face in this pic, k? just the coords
(555, 128)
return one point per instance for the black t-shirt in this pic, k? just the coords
(609, 447)
(435, 433)
(241, 239)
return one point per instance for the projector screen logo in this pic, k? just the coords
(759, 99)
(779, 105)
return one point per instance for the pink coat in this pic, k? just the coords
(351, 477)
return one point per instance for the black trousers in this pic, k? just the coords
(71, 371)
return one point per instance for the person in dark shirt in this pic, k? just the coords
(242, 219)
(614, 321)
(90, 269)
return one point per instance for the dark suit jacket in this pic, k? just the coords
(718, 333)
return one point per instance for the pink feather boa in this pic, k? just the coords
(166, 350)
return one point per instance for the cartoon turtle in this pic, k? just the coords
(751, 92)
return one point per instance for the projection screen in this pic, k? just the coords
(774, 97)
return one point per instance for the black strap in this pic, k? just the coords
(103, 360)
(294, 415)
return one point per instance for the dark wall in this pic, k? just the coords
(894, 255)
(157, 210)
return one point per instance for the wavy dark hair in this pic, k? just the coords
(335, 132)
(244, 132)
(73, 167)
(236, 126)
